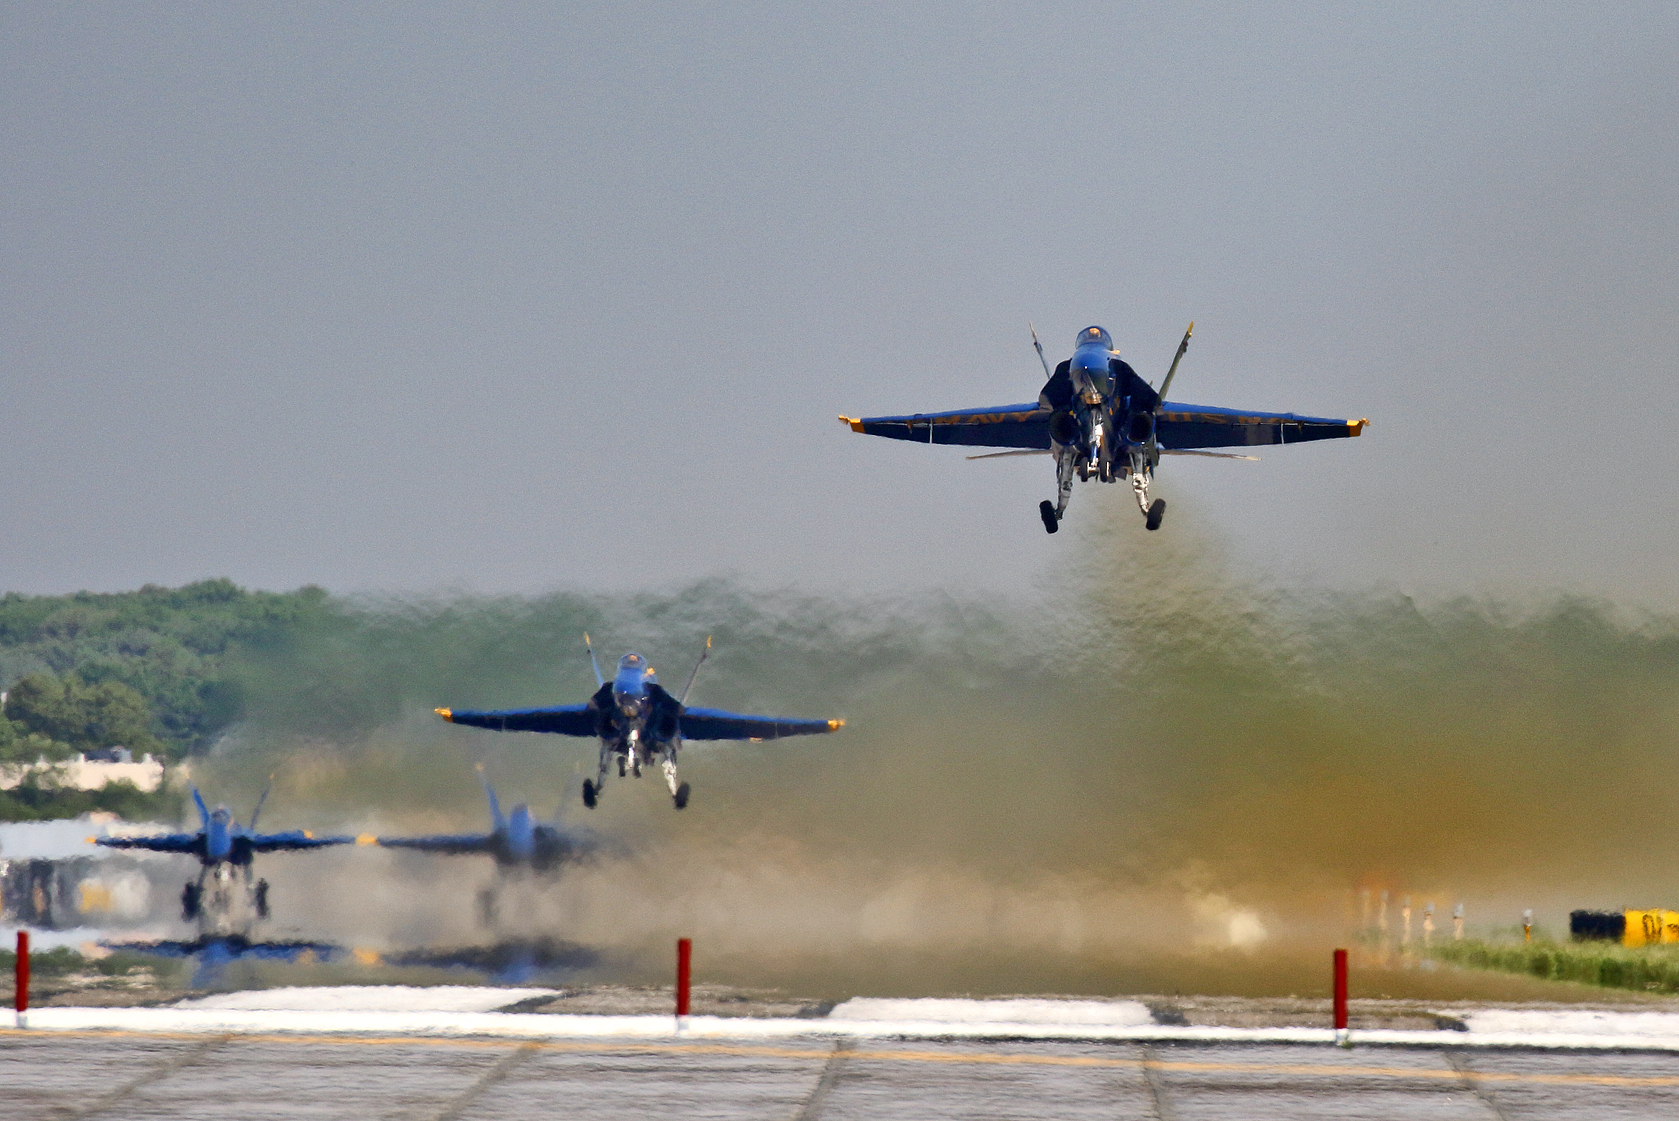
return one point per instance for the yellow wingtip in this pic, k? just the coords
(367, 957)
(835, 725)
(855, 422)
(308, 834)
(93, 840)
(1357, 426)
(445, 714)
(367, 839)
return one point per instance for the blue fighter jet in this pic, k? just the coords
(222, 845)
(637, 721)
(1100, 420)
(517, 840)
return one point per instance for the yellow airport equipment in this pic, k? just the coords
(1649, 928)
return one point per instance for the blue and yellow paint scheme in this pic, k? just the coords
(221, 839)
(515, 840)
(637, 721)
(221, 844)
(1098, 418)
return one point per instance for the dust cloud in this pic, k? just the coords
(1145, 775)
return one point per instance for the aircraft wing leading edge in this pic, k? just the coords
(293, 839)
(565, 720)
(1006, 426)
(715, 724)
(1202, 426)
(457, 843)
(163, 842)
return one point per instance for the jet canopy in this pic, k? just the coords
(1095, 335)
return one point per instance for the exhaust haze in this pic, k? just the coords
(1152, 776)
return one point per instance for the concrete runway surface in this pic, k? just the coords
(225, 1077)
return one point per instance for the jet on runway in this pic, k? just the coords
(515, 840)
(222, 845)
(637, 722)
(1098, 419)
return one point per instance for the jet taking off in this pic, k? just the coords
(638, 722)
(221, 845)
(1100, 420)
(516, 839)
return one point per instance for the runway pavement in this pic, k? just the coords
(230, 1076)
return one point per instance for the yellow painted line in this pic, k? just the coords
(737, 1050)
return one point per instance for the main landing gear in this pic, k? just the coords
(1046, 510)
(1140, 471)
(590, 793)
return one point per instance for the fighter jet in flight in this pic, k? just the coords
(221, 846)
(1099, 420)
(638, 722)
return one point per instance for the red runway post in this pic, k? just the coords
(1341, 1036)
(684, 964)
(20, 1001)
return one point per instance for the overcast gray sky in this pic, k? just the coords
(514, 297)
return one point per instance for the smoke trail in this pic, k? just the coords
(1095, 786)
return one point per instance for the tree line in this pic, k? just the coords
(158, 669)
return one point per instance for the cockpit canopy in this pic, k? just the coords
(632, 661)
(1095, 335)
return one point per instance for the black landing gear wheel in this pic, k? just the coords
(1046, 509)
(262, 899)
(1156, 511)
(682, 796)
(190, 897)
(590, 793)
(620, 766)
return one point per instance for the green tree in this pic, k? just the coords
(82, 715)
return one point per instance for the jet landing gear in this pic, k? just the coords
(1066, 467)
(678, 794)
(1153, 512)
(590, 793)
(191, 896)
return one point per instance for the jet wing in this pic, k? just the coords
(1204, 426)
(567, 720)
(294, 839)
(158, 842)
(457, 843)
(1006, 426)
(715, 724)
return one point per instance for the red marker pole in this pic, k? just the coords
(20, 1001)
(684, 970)
(1342, 1036)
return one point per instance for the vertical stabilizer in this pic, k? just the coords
(496, 819)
